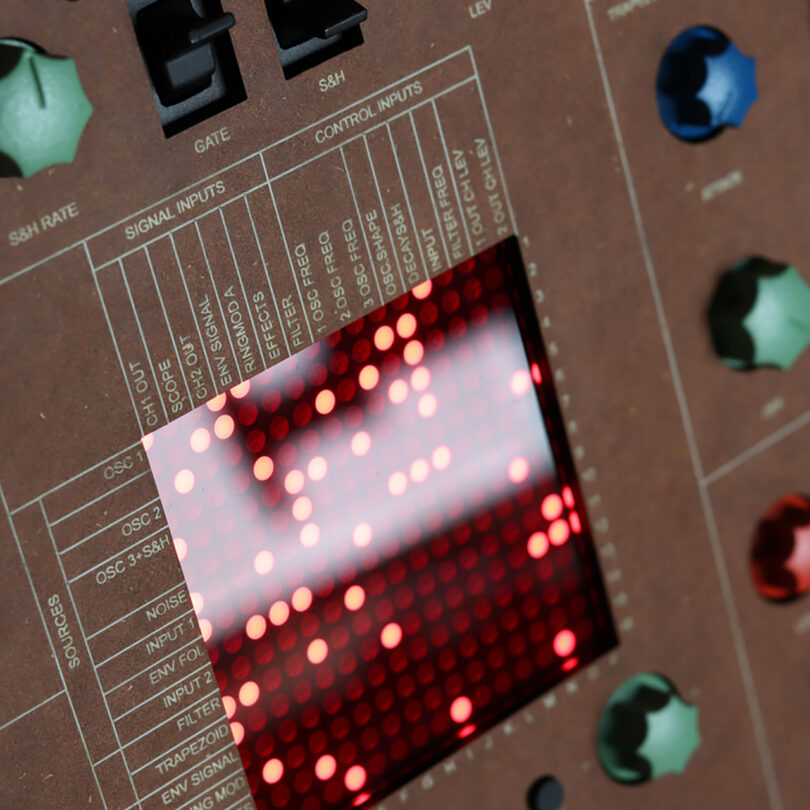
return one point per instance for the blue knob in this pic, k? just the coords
(705, 83)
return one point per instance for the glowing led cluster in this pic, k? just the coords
(381, 553)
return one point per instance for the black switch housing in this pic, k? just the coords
(189, 58)
(308, 32)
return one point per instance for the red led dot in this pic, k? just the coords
(406, 325)
(576, 523)
(272, 771)
(450, 301)
(317, 468)
(519, 382)
(362, 534)
(398, 392)
(255, 440)
(384, 338)
(354, 598)
(229, 704)
(391, 635)
(249, 693)
(537, 375)
(422, 290)
(325, 402)
(255, 627)
(248, 413)
(368, 378)
(441, 457)
(397, 483)
(317, 651)
(279, 613)
(296, 756)
(238, 732)
(184, 481)
(325, 767)
(427, 406)
(420, 470)
(310, 534)
(518, 470)
(361, 799)
(181, 548)
(224, 426)
(302, 508)
(568, 497)
(200, 440)
(558, 532)
(263, 468)
(241, 390)
(206, 629)
(217, 403)
(420, 378)
(564, 643)
(552, 507)
(301, 599)
(294, 481)
(413, 353)
(537, 545)
(279, 428)
(461, 709)
(263, 562)
(361, 443)
(355, 777)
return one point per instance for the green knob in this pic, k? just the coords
(646, 730)
(760, 315)
(43, 109)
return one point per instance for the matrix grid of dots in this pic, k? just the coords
(384, 547)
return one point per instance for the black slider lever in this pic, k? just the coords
(330, 19)
(210, 30)
(178, 46)
(296, 21)
(310, 31)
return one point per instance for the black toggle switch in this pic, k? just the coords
(309, 32)
(188, 54)
(177, 46)
(300, 20)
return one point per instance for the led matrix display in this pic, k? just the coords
(384, 540)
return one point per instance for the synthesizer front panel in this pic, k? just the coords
(365, 436)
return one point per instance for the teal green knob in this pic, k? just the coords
(646, 730)
(760, 315)
(43, 109)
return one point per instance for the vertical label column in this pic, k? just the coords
(174, 293)
(474, 166)
(136, 362)
(206, 307)
(261, 298)
(274, 252)
(158, 339)
(227, 279)
(396, 208)
(443, 190)
(371, 218)
(426, 214)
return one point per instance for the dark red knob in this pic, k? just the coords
(780, 556)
